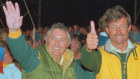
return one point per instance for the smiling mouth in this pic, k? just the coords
(56, 48)
(119, 37)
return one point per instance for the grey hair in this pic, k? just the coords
(60, 26)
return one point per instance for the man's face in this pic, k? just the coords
(74, 46)
(3, 36)
(75, 28)
(70, 29)
(8, 58)
(30, 43)
(134, 29)
(57, 43)
(45, 31)
(118, 31)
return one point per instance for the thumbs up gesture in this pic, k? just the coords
(92, 38)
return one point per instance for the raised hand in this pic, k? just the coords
(92, 38)
(13, 18)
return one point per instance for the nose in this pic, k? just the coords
(118, 30)
(57, 42)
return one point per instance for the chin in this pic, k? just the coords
(120, 42)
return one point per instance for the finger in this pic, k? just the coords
(92, 45)
(20, 21)
(17, 10)
(92, 25)
(92, 36)
(12, 8)
(93, 40)
(8, 7)
(5, 10)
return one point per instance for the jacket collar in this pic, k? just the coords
(68, 59)
(108, 44)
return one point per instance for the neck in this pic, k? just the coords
(58, 59)
(77, 55)
(121, 47)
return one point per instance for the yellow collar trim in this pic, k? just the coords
(4, 65)
(63, 58)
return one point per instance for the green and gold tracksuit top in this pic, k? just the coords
(109, 64)
(38, 64)
(50, 69)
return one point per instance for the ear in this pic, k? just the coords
(129, 28)
(107, 30)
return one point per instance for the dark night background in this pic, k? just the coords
(69, 11)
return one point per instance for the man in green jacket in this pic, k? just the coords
(119, 58)
(50, 61)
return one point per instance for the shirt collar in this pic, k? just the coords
(103, 34)
(128, 47)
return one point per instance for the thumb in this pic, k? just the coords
(92, 25)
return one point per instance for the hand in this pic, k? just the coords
(13, 18)
(92, 38)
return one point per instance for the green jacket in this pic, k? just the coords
(38, 64)
(50, 69)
